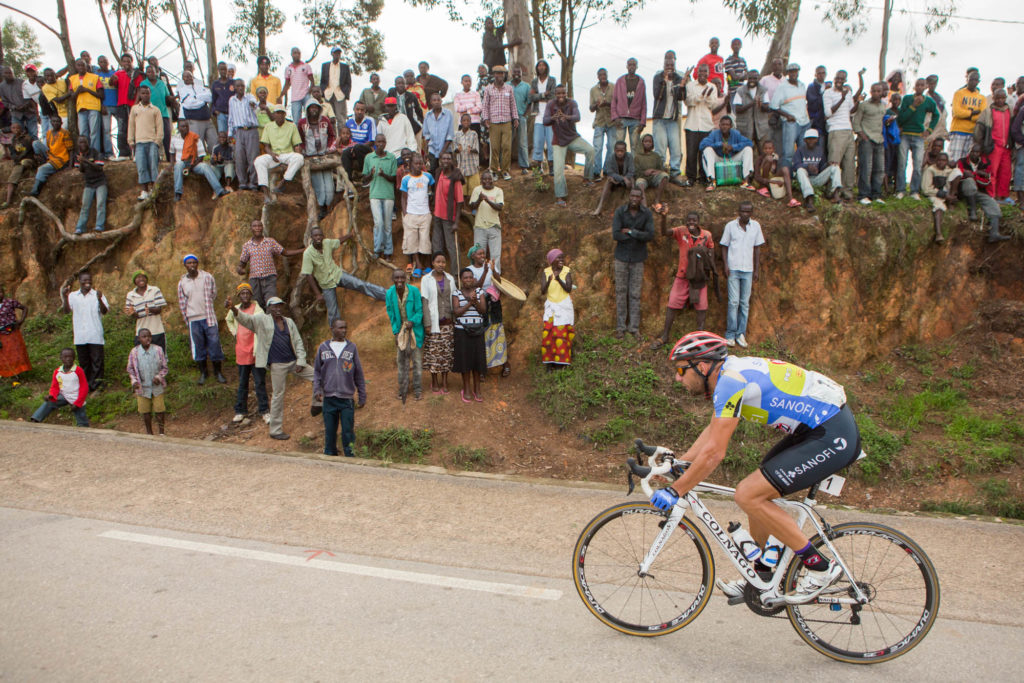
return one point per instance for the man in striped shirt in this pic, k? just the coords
(197, 291)
(243, 126)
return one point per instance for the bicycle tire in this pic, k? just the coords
(605, 568)
(901, 583)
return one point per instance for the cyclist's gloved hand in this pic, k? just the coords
(665, 499)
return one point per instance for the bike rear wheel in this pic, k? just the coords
(900, 582)
(605, 568)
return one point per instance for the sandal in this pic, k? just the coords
(657, 344)
(477, 398)
(560, 202)
(462, 392)
(764, 192)
(506, 371)
(794, 203)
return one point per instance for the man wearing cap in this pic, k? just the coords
(298, 78)
(243, 126)
(264, 79)
(790, 102)
(281, 144)
(396, 128)
(317, 135)
(500, 116)
(245, 358)
(336, 82)
(280, 350)
(197, 291)
(811, 169)
(324, 275)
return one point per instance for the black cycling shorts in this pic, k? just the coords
(808, 456)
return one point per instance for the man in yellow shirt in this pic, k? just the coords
(87, 95)
(265, 80)
(56, 92)
(53, 155)
(967, 104)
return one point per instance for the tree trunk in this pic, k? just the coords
(115, 53)
(518, 28)
(261, 28)
(886, 17)
(783, 38)
(538, 38)
(211, 41)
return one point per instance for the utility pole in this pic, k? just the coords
(211, 40)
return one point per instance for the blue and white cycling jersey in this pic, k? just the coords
(775, 393)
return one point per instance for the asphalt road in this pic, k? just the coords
(132, 558)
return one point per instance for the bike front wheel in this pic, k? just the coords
(606, 571)
(899, 581)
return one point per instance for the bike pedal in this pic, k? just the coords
(738, 600)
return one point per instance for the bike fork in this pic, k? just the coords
(671, 522)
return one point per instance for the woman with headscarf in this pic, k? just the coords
(469, 307)
(437, 289)
(495, 346)
(13, 352)
(559, 316)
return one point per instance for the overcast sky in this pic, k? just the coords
(413, 34)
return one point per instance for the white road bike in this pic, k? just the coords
(645, 572)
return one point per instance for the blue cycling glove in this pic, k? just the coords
(664, 499)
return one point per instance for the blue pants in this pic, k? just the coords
(108, 147)
(523, 151)
(356, 285)
(604, 141)
(147, 155)
(339, 410)
(666, 137)
(222, 123)
(323, 187)
(204, 169)
(259, 384)
(382, 210)
(871, 158)
(88, 194)
(90, 126)
(299, 109)
(739, 303)
(48, 406)
(792, 134)
(630, 128)
(913, 145)
(28, 122)
(205, 341)
(543, 137)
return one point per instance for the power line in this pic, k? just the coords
(951, 16)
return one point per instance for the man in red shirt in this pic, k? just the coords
(126, 80)
(688, 236)
(716, 65)
(448, 199)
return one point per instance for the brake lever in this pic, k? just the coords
(629, 480)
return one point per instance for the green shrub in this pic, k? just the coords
(395, 444)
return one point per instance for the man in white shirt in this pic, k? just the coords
(395, 128)
(87, 306)
(840, 105)
(741, 254)
(196, 105)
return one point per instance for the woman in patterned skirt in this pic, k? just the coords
(494, 337)
(437, 289)
(559, 316)
(13, 353)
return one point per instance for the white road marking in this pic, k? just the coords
(343, 567)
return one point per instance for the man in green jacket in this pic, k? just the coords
(405, 310)
(913, 112)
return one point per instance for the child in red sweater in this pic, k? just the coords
(68, 388)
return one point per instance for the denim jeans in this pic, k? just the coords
(629, 128)
(542, 138)
(222, 123)
(323, 186)
(259, 384)
(356, 285)
(299, 109)
(147, 156)
(28, 122)
(48, 406)
(339, 411)
(666, 137)
(577, 146)
(88, 194)
(204, 169)
(739, 302)
(89, 126)
(108, 147)
(808, 182)
(914, 145)
(871, 158)
(792, 134)
(1018, 170)
(604, 146)
(42, 175)
(523, 147)
(382, 211)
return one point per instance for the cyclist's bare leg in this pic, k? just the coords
(754, 495)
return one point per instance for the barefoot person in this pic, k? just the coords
(147, 368)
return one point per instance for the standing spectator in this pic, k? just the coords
(741, 253)
(396, 128)
(542, 91)
(12, 95)
(483, 78)
(144, 304)
(413, 86)
(937, 125)
(913, 111)
(243, 126)
(689, 286)
(558, 326)
(264, 79)
(439, 345)
(87, 95)
(13, 352)
(196, 106)
(336, 83)
(281, 144)
(416, 216)
(87, 307)
(90, 163)
(405, 311)
(21, 151)
(811, 169)
(619, 171)
(629, 106)
(264, 111)
(790, 102)
(407, 104)
(125, 82)
(500, 116)
(57, 94)
(109, 106)
(197, 290)
(714, 63)
(968, 103)
(223, 159)
(438, 131)
(604, 130)
(245, 358)
(561, 116)
(68, 388)
(493, 44)
(431, 84)
(448, 200)
(702, 104)
(221, 90)
(895, 81)
(998, 83)
(30, 88)
(650, 168)
(470, 360)
(751, 120)
(868, 127)
(147, 369)
(160, 97)
(364, 133)
(469, 102)
(379, 170)
(317, 136)
(298, 78)
(668, 96)
(145, 134)
(632, 229)
(735, 67)
(189, 152)
(466, 145)
(840, 106)
(488, 201)
(935, 184)
(52, 156)
(258, 253)
(770, 83)
(816, 104)
(891, 137)
(1017, 134)
(324, 275)
(326, 110)
(279, 350)
(727, 144)
(337, 377)
(971, 182)
(992, 132)
(373, 98)
(485, 272)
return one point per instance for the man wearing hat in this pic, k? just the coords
(318, 140)
(280, 350)
(500, 116)
(811, 169)
(144, 304)
(265, 80)
(336, 82)
(245, 358)
(396, 128)
(197, 291)
(281, 144)
(790, 102)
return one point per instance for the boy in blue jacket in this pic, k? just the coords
(337, 376)
(727, 143)
(405, 310)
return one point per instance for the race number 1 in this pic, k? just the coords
(833, 485)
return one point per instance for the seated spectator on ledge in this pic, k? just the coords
(68, 388)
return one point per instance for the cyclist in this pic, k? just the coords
(821, 439)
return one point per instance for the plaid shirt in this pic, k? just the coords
(260, 256)
(468, 159)
(209, 296)
(499, 104)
